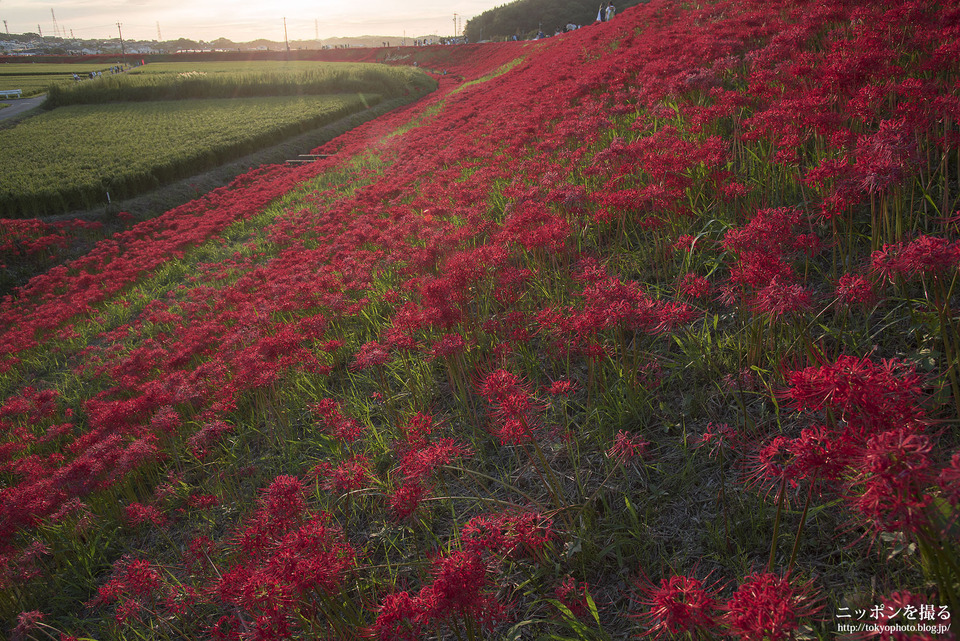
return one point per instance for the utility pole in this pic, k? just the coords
(285, 41)
(123, 52)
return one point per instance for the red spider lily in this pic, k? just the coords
(717, 436)
(420, 462)
(370, 354)
(417, 428)
(406, 499)
(562, 388)
(510, 534)
(352, 474)
(895, 475)
(694, 286)
(133, 580)
(398, 618)
(627, 447)
(26, 622)
(459, 590)
(854, 289)
(499, 384)
(867, 395)
(340, 426)
(768, 607)
(281, 506)
(573, 595)
(678, 604)
(137, 514)
(925, 256)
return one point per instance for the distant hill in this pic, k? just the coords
(525, 17)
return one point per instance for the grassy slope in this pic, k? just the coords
(239, 365)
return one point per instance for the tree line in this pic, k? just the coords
(525, 18)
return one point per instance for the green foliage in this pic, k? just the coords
(525, 17)
(35, 78)
(177, 81)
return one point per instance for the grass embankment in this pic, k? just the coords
(652, 334)
(178, 81)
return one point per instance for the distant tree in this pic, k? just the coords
(525, 17)
(183, 43)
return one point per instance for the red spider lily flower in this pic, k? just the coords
(772, 464)
(924, 256)
(780, 299)
(26, 622)
(459, 590)
(398, 618)
(854, 289)
(417, 428)
(573, 594)
(351, 474)
(137, 515)
(818, 455)
(869, 396)
(511, 534)
(370, 354)
(717, 436)
(693, 286)
(562, 388)
(678, 604)
(895, 475)
(500, 384)
(341, 427)
(132, 579)
(768, 607)
(420, 462)
(627, 447)
(406, 499)
(448, 345)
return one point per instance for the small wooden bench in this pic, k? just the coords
(11, 93)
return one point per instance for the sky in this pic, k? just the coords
(239, 21)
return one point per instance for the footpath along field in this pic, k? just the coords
(128, 133)
(651, 331)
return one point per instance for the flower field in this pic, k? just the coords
(647, 330)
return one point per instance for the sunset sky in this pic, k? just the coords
(239, 21)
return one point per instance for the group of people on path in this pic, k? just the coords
(607, 11)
